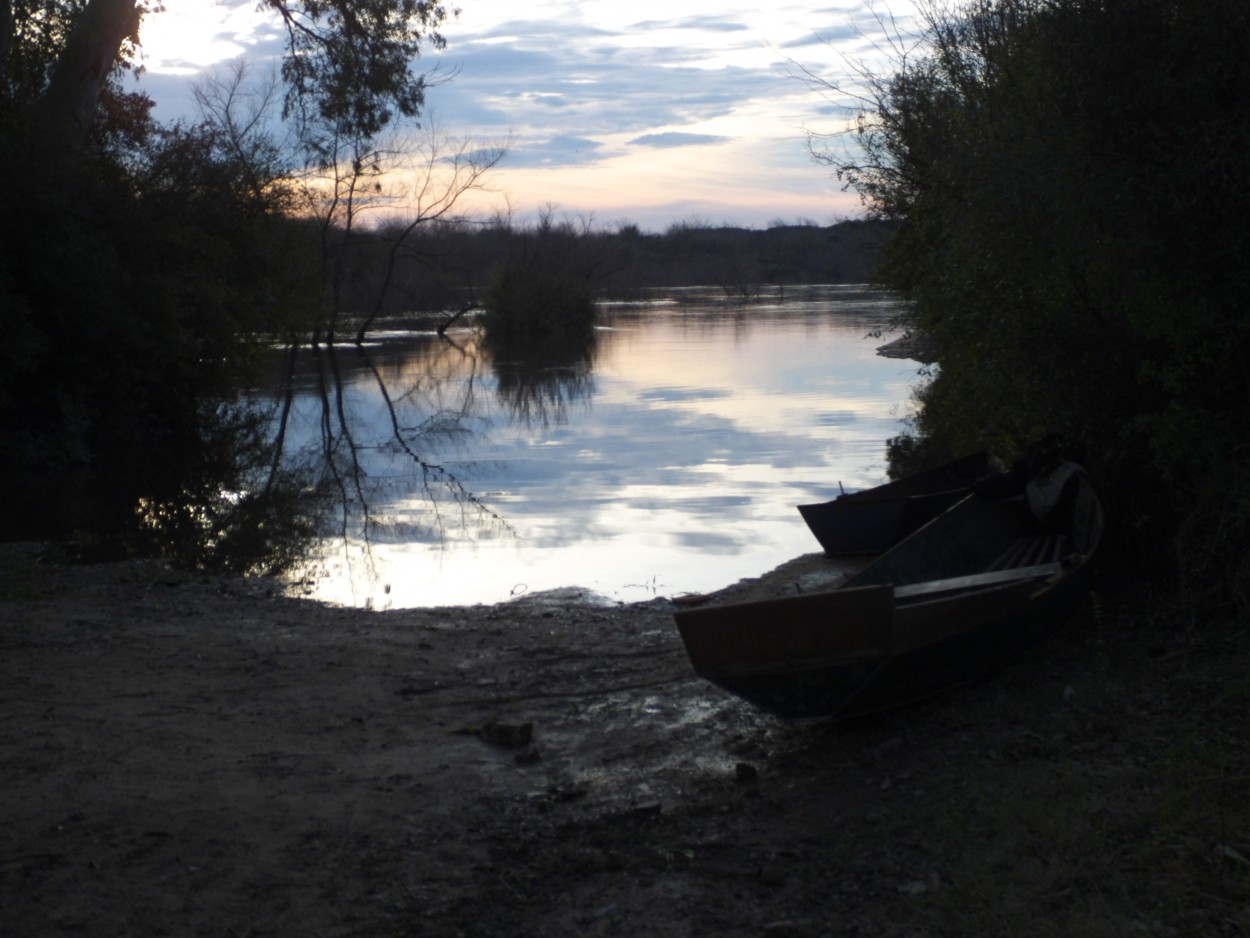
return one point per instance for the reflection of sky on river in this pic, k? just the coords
(679, 472)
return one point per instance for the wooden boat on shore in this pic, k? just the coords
(875, 519)
(955, 600)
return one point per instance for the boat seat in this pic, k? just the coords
(976, 580)
(1031, 550)
(1032, 557)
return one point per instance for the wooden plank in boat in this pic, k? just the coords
(992, 578)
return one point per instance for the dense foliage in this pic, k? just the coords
(1072, 179)
(349, 64)
(142, 266)
(128, 281)
(542, 290)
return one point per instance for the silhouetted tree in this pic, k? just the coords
(1071, 182)
(139, 263)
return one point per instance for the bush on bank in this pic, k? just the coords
(1071, 179)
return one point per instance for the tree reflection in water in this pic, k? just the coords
(386, 425)
(537, 386)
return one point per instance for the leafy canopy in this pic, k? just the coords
(142, 265)
(1072, 179)
(348, 61)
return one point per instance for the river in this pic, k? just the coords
(666, 459)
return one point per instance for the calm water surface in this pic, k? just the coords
(670, 462)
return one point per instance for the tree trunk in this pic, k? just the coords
(69, 104)
(6, 32)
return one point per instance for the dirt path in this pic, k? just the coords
(195, 756)
(188, 755)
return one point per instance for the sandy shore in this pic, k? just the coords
(187, 755)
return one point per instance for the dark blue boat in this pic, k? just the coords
(876, 519)
(955, 600)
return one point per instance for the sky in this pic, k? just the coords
(639, 111)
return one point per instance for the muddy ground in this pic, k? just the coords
(186, 755)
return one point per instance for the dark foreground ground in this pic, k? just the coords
(195, 756)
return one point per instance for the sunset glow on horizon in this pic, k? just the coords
(651, 113)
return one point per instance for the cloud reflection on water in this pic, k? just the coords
(674, 466)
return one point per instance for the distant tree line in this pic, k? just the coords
(447, 264)
(1071, 180)
(745, 261)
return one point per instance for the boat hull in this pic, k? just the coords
(874, 520)
(928, 615)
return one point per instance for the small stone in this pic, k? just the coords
(746, 773)
(773, 872)
(511, 735)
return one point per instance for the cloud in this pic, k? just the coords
(557, 91)
(560, 150)
(587, 93)
(826, 37)
(673, 138)
(701, 23)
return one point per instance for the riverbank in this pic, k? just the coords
(201, 756)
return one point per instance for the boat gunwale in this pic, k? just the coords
(872, 674)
